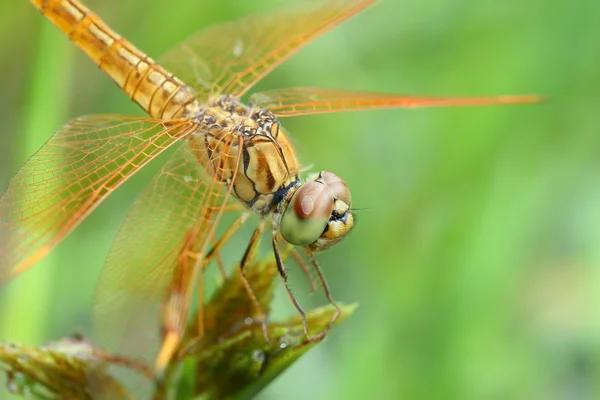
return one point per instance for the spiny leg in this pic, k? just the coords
(300, 261)
(218, 244)
(325, 285)
(212, 254)
(283, 275)
(221, 266)
(249, 255)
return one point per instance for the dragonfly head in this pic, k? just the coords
(318, 214)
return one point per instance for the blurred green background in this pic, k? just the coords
(476, 259)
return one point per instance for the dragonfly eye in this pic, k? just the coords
(337, 186)
(307, 214)
(341, 220)
(319, 214)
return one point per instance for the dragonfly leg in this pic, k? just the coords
(218, 245)
(283, 275)
(338, 310)
(248, 256)
(213, 253)
(300, 261)
(221, 266)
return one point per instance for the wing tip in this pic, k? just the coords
(521, 99)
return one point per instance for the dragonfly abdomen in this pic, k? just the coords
(156, 90)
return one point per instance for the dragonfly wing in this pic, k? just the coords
(172, 221)
(297, 101)
(232, 57)
(68, 177)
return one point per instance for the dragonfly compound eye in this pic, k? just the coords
(341, 220)
(307, 214)
(318, 215)
(337, 186)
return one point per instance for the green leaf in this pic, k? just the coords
(233, 359)
(243, 365)
(67, 369)
(231, 306)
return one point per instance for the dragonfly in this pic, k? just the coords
(230, 156)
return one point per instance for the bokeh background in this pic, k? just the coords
(476, 259)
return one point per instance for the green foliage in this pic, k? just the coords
(231, 360)
(68, 369)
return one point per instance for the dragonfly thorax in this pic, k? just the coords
(247, 148)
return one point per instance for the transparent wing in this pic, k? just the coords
(232, 57)
(171, 223)
(69, 176)
(307, 100)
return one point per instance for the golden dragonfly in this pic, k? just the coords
(227, 150)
